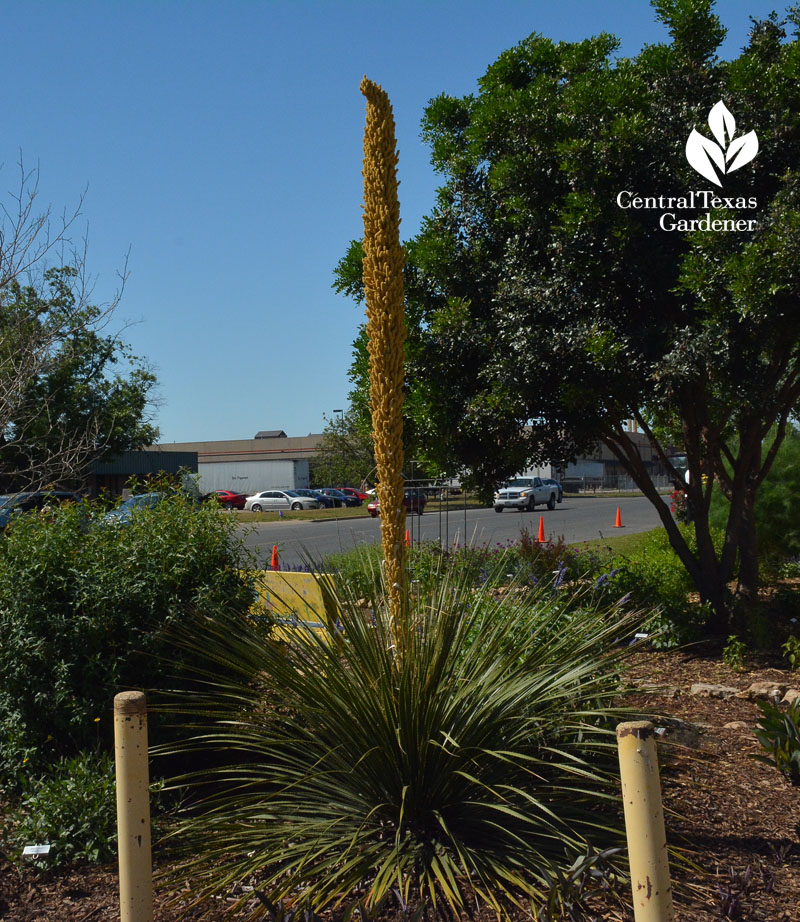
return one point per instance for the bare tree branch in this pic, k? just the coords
(49, 326)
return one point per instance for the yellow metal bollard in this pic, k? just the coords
(644, 822)
(133, 807)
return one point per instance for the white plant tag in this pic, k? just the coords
(30, 850)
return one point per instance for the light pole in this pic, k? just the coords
(415, 502)
(341, 433)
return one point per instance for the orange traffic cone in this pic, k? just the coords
(618, 523)
(408, 541)
(275, 565)
(541, 538)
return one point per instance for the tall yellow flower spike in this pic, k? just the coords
(386, 331)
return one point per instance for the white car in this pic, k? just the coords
(524, 494)
(279, 499)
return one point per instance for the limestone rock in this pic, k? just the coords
(764, 691)
(706, 690)
(663, 691)
(792, 694)
(679, 732)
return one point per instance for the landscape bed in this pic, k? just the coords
(734, 817)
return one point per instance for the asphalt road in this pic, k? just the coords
(576, 519)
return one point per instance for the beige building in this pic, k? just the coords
(273, 460)
(270, 460)
(602, 469)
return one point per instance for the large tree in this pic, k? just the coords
(70, 391)
(421, 438)
(345, 455)
(571, 277)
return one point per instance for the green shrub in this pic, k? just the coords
(734, 652)
(648, 576)
(790, 568)
(791, 650)
(85, 612)
(410, 758)
(428, 563)
(548, 561)
(72, 809)
(526, 562)
(360, 568)
(655, 579)
(779, 736)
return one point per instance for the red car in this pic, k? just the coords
(351, 491)
(413, 501)
(227, 498)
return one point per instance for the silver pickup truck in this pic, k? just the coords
(524, 493)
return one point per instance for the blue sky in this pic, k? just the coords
(219, 143)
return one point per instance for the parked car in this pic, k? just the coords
(279, 499)
(548, 481)
(326, 502)
(227, 498)
(524, 494)
(414, 500)
(339, 498)
(126, 510)
(351, 491)
(19, 503)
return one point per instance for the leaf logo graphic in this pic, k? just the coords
(727, 153)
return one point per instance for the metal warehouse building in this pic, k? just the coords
(270, 460)
(113, 475)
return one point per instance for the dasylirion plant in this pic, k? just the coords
(442, 752)
(386, 330)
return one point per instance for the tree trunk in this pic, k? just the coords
(704, 568)
(747, 588)
(711, 581)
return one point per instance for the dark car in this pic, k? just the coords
(414, 500)
(227, 498)
(554, 483)
(339, 498)
(325, 501)
(122, 514)
(18, 503)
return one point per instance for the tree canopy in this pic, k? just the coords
(578, 271)
(345, 455)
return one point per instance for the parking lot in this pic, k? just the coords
(577, 518)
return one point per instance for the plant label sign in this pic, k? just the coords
(32, 850)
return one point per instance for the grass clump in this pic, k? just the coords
(779, 735)
(472, 762)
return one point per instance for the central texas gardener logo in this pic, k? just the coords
(728, 153)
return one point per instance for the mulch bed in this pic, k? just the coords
(735, 818)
